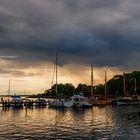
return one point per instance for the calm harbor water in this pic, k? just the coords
(97, 123)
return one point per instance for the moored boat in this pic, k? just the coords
(40, 102)
(60, 103)
(80, 101)
(27, 102)
(99, 100)
(128, 100)
(16, 102)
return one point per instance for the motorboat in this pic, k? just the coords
(40, 102)
(16, 102)
(79, 100)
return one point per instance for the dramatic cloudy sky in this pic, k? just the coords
(105, 33)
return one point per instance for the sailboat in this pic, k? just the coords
(128, 100)
(59, 103)
(97, 99)
(16, 101)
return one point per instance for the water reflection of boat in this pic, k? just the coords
(80, 101)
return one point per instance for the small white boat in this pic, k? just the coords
(80, 101)
(55, 103)
(68, 103)
(60, 103)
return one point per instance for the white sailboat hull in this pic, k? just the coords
(55, 103)
(127, 101)
(68, 104)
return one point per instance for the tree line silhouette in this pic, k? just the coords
(114, 87)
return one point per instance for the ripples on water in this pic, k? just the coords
(98, 123)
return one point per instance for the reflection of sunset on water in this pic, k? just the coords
(98, 122)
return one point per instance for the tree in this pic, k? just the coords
(114, 87)
(84, 89)
(69, 90)
(99, 89)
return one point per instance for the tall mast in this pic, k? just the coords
(105, 85)
(135, 88)
(56, 72)
(92, 80)
(9, 89)
(124, 84)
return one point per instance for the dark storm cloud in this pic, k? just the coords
(17, 73)
(104, 33)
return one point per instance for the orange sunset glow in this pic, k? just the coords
(37, 79)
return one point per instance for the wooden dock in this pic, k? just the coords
(30, 104)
